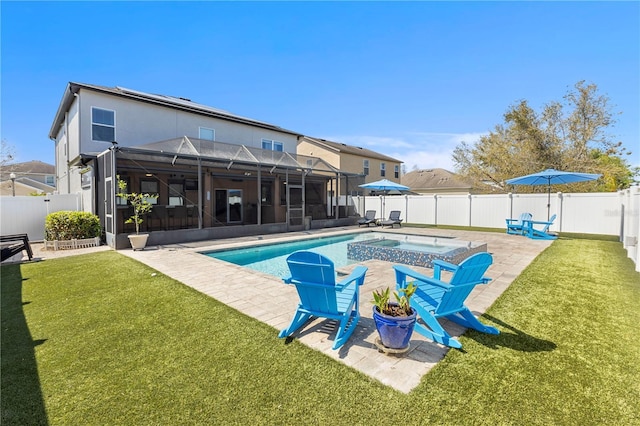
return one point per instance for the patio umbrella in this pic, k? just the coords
(384, 185)
(552, 177)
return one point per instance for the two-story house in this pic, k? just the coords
(210, 169)
(359, 165)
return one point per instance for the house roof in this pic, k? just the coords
(30, 167)
(349, 149)
(434, 179)
(179, 103)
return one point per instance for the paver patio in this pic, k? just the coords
(221, 280)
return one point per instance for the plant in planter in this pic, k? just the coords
(141, 206)
(394, 320)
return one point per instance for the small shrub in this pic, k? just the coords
(69, 225)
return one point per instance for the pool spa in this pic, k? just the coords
(347, 249)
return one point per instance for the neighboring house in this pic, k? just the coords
(368, 165)
(216, 174)
(31, 177)
(435, 181)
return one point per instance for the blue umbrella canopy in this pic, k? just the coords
(384, 185)
(552, 177)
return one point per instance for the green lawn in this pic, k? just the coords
(103, 340)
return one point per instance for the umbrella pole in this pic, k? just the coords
(548, 201)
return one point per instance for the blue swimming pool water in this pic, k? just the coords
(271, 258)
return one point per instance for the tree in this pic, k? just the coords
(7, 153)
(574, 136)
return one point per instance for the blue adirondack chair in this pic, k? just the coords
(321, 296)
(368, 219)
(542, 233)
(436, 298)
(516, 226)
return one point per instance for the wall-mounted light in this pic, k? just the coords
(149, 174)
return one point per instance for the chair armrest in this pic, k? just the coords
(402, 272)
(356, 275)
(439, 265)
(539, 222)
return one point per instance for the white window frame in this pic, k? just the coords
(396, 171)
(365, 167)
(213, 132)
(272, 145)
(102, 124)
(383, 169)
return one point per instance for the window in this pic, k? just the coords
(103, 125)
(266, 197)
(176, 194)
(50, 180)
(272, 145)
(383, 171)
(365, 167)
(122, 201)
(150, 186)
(207, 134)
(396, 171)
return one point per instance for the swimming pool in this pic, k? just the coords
(271, 258)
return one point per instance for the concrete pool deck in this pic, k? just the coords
(220, 280)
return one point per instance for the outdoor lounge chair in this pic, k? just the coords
(516, 226)
(14, 244)
(436, 298)
(320, 296)
(531, 231)
(394, 218)
(368, 219)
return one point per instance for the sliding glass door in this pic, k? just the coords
(228, 205)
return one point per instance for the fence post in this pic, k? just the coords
(406, 208)
(510, 205)
(470, 203)
(435, 216)
(561, 200)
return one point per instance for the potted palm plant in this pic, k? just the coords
(141, 206)
(394, 320)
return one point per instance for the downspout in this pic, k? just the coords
(66, 149)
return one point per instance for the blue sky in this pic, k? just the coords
(407, 79)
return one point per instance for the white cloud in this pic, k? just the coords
(423, 150)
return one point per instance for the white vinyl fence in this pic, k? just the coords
(609, 213)
(26, 214)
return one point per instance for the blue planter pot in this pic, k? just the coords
(395, 332)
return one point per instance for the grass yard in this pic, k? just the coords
(101, 339)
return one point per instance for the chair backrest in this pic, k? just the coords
(370, 214)
(548, 224)
(315, 279)
(468, 274)
(523, 217)
(394, 215)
